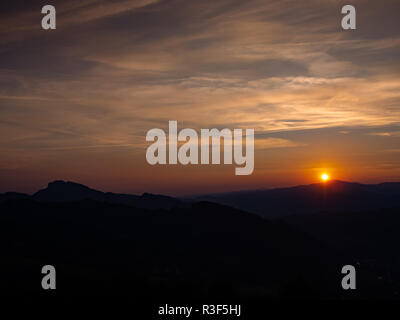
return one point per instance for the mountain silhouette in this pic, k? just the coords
(13, 196)
(67, 191)
(61, 191)
(158, 247)
(271, 203)
(329, 196)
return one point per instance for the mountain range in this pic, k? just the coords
(156, 247)
(330, 196)
(271, 203)
(66, 191)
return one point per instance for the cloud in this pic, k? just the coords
(112, 70)
(385, 134)
(272, 143)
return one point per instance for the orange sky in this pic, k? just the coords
(76, 102)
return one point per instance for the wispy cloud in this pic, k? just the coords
(385, 134)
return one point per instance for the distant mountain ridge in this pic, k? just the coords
(271, 203)
(329, 196)
(66, 191)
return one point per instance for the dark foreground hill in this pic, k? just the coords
(371, 238)
(196, 252)
(331, 196)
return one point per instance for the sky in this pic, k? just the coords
(76, 102)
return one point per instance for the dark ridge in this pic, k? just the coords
(329, 196)
(61, 191)
(201, 251)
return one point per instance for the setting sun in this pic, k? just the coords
(325, 177)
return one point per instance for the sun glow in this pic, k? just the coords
(325, 177)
